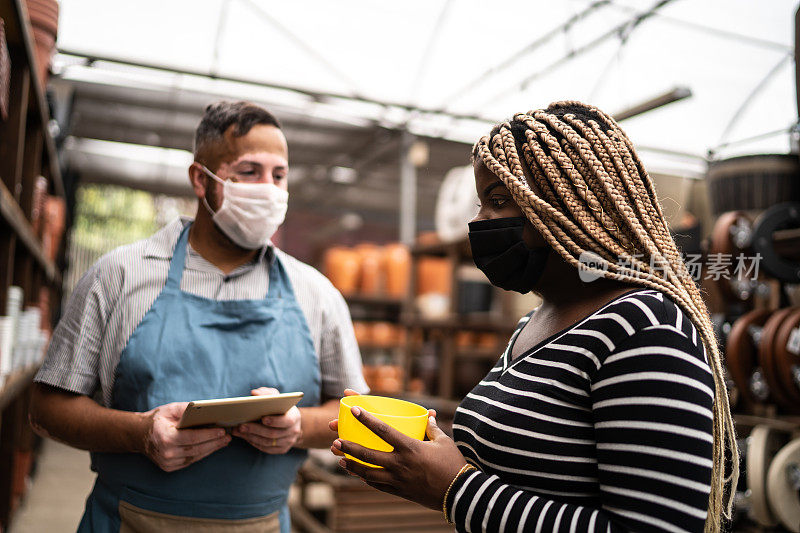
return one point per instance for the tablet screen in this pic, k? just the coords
(229, 412)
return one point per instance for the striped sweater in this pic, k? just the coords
(605, 426)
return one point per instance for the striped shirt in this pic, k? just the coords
(605, 426)
(112, 298)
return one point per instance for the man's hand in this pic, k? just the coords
(171, 448)
(272, 434)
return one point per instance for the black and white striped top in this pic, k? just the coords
(605, 426)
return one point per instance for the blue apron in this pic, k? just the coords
(192, 348)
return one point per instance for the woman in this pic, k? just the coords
(607, 411)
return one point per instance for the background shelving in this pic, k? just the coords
(32, 213)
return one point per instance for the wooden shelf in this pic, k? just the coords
(461, 323)
(15, 383)
(457, 248)
(375, 347)
(27, 151)
(479, 353)
(784, 423)
(12, 213)
(373, 300)
(444, 407)
(355, 506)
(18, 33)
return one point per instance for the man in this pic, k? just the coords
(202, 309)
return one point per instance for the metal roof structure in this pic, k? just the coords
(357, 83)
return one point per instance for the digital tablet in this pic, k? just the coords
(229, 412)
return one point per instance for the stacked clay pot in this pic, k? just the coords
(397, 267)
(369, 269)
(43, 16)
(342, 268)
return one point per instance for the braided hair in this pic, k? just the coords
(589, 193)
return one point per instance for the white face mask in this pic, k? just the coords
(250, 213)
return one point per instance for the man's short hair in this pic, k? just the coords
(220, 116)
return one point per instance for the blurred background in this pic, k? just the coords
(381, 103)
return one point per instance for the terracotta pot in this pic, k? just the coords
(43, 15)
(369, 375)
(465, 339)
(363, 333)
(38, 204)
(434, 275)
(388, 385)
(397, 265)
(416, 386)
(428, 238)
(372, 276)
(45, 45)
(44, 306)
(342, 267)
(388, 378)
(487, 341)
(384, 335)
(22, 463)
(5, 72)
(389, 371)
(55, 220)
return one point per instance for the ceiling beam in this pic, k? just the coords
(313, 95)
(678, 93)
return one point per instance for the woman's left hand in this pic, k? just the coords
(420, 471)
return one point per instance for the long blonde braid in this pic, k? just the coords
(590, 193)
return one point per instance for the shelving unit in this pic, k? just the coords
(436, 333)
(369, 309)
(442, 331)
(12, 215)
(27, 151)
(15, 384)
(356, 507)
(374, 301)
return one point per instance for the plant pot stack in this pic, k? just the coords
(53, 225)
(369, 269)
(5, 72)
(44, 22)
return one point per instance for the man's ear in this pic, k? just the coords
(198, 179)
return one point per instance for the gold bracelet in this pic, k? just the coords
(466, 468)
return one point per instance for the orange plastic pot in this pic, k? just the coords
(363, 331)
(384, 334)
(434, 275)
(397, 265)
(342, 267)
(372, 276)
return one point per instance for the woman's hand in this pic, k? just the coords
(272, 434)
(420, 471)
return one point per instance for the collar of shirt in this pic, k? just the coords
(162, 244)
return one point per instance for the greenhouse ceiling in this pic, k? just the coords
(348, 77)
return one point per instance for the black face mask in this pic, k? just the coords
(499, 251)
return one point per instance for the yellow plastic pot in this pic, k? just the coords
(406, 417)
